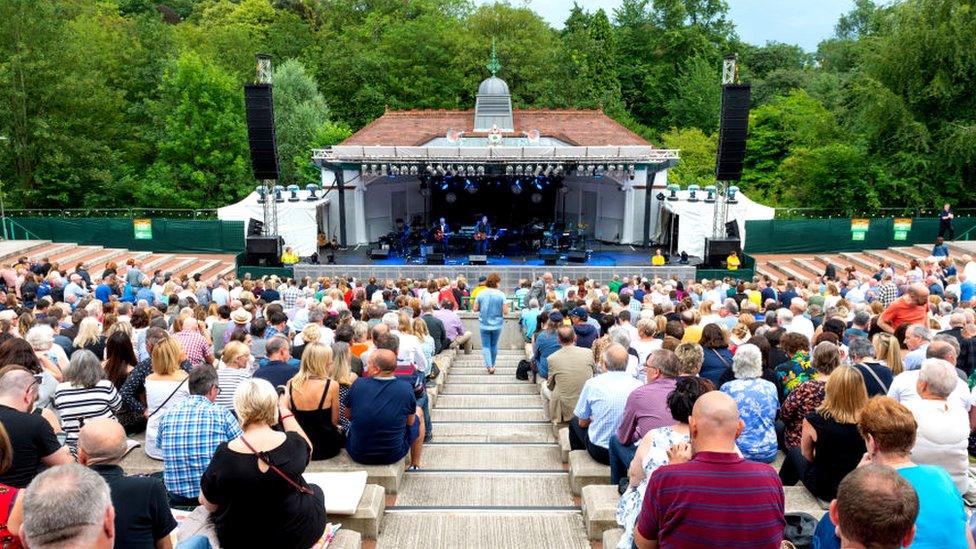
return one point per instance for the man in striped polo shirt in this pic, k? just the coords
(716, 498)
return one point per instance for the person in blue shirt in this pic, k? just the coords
(889, 428)
(529, 319)
(546, 342)
(491, 308)
(278, 370)
(940, 249)
(103, 292)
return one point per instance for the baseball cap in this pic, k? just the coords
(579, 312)
(556, 317)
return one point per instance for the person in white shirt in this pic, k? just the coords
(220, 295)
(800, 323)
(646, 343)
(623, 322)
(917, 340)
(903, 387)
(943, 427)
(410, 349)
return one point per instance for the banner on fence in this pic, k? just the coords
(859, 228)
(902, 227)
(142, 229)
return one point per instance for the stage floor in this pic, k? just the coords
(601, 255)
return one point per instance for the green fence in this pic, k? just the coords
(161, 235)
(785, 236)
(745, 271)
(257, 272)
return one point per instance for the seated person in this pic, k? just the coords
(68, 506)
(601, 405)
(868, 493)
(278, 370)
(569, 368)
(142, 515)
(190, 432)
(757, 401)
(314, 399)
(289, 257)
(385, 423)
(289, 511)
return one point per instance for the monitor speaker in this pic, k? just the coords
(549, 257)
(264, 245)
(476, 259)
(732, 229)
(436, 258)
(261, 131)
(733, 131)
(717, 249)
(254, 227)
(379, 253)
(577, 256)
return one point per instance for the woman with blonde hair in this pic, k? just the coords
(830, 446)
(311, 333)
(90, 337)
(887, 350)
(165, 386)
(235, 367)
(340, 370)
(289, 511)
(313, 396)
(426, 342)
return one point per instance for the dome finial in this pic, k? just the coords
(493, 65)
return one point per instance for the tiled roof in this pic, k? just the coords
(575, 127)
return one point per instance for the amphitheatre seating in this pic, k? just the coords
(564, 447)
(347, 539)
(584, 471)
(611, 537)
(368, 517)
(599, 505)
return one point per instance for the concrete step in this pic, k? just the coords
(14, 249)
(599, 506)
(485, 491)
(585, 471)
(498, 433)
(789, 269)
(481, 378)
(155, 261)
(490, 389)
(452, 528)
(860, 260)
(468, 457)
(878, 256)
(490, 401)
(368, 518)
(487, 414)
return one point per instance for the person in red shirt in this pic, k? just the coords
(716, 498)
(911, 308)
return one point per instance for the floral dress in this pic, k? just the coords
(629, 506)
(791, 374)
(757, 402)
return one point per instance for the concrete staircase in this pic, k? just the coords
(68, 255)
(808, 267)
(493, 475)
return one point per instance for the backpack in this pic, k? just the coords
(800, 529)
(523, 369)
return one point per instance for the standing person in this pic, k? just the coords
(491, 308)
(482, 231)
(945, 223)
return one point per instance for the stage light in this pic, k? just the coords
(293, 189)
(277, 196)
(470, 187)
(599, 171)
(450, 198)
(519, 170)
(262, 193)
(558, 170)
(430, 169)
(710, 197)
(536, 198)
(394, 171)
(363, 170)
(312, 188)
(580, 171)
(548, 171)
(693, 193)
(673, 189)
(440, 170)
(445, 184)
(733, 191)
(470, 170)
(538, 182)
(590, 170)
(414, 170)
(374, 169)
(481, 170)
(538, 169)
(509, 170)
(517, 187)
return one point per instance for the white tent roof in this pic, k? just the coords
(695, 219)
(297, 221)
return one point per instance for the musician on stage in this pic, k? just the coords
(481, 233)
(402, 231)
(441, 234)
(326, 247)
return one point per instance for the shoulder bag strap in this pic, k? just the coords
(273, 467)
(722, 358)
(171, 395)
(875, 376)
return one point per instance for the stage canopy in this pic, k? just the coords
(298, 222)
(695, 219)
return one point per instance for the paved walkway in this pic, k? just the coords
(492, 476)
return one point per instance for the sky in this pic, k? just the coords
(803, 22)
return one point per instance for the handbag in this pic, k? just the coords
(273, 467)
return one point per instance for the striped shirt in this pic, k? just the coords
(715, 500)
(228, 379)
(76, 405)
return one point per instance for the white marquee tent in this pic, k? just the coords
(298, 222)
(694, 219)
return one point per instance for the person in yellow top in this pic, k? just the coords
(657, 260)
(477, 289)
(732, 262)
(289, 257)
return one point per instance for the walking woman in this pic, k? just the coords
(491, 308)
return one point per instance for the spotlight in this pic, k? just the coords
(374, 169)
(509, 170)
(440, 170)
(262, 194)
(558, 170)
(430, 169)
(277, 193)
(580, 171)
(673, 189)
(519, 170)
(538, 182)
(536, 198)
(363, 170)
(538, 169)
(599, 171)
(481, 170)
(548, 171)
(693, 193)
(470, 170)
(450, 198)
(470, 187)
(590, 170)
(733, 190)
(710, 197)
(414, 170)
(312, 188)
(293, 189)
(517, 187)
(394, 171)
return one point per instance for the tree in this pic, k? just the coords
(836, 177)
(697, 96)
(203, 156)
(300, 112)
(697, 165)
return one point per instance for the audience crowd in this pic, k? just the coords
(688, 390)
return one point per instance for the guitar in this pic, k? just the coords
(438, 235)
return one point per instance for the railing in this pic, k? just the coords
(11, 226)
(832, 213)
(129, 213)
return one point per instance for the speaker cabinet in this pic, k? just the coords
(733, 131)
(549, 257)
(718, 249)
(261, 131)
(379, 253)
(475, 259)
(732, 229)
(436, 258)
(265, 245)
(577, 256)
(254, 227)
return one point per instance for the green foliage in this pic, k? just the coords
(698, 151)
(300, 114)
(836, 176)
(697, 96)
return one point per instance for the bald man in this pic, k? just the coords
(715, 498)
(142, 515)
(911, 308)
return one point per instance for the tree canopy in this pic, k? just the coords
(140, 102)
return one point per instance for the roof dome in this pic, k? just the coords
(493, 86)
